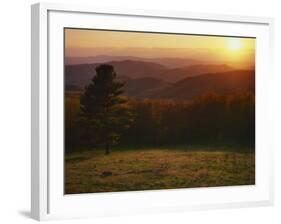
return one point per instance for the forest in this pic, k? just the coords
(207, 119)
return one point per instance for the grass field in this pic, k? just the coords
(148, 169)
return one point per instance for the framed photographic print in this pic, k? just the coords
(137, 111)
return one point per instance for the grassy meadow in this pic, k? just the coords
(148, 159)
(157, 168)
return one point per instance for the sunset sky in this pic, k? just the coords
(239, 52)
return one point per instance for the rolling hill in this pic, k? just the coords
(152, 80)
(232, 82)
(167, 61)
(176, 74)
(81, 75)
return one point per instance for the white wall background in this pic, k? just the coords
(15, 110)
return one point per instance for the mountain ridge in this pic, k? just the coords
(82, 74)
(224, 83)
(171, 62)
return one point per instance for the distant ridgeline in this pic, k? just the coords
(152, 80)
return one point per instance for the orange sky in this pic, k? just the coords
(239, 52)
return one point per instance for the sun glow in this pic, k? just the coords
(234, 44)
(236, 51)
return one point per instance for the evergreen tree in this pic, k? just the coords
(104, 112)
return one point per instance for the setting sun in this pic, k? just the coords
(234, 44)
(234, 51)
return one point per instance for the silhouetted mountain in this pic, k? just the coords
(174, 75)
(167, 62)
(237, 81)
(98, 59)
(151, 80)
(137, 69)
(137, 87)
(81, 75)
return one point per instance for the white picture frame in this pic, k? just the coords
(48, 201)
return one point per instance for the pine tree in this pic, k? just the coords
(104, 112)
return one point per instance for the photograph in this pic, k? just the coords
(157, 111)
